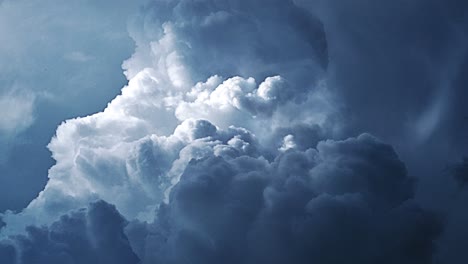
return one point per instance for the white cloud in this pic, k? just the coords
(173, 111)
(17, 112)
(78, 56)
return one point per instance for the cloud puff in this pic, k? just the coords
(17, 112)
(346, 200)
(134, 175)
(91, 235)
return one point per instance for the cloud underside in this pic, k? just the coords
(226, 146)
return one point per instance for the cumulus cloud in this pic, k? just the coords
(345, 200)
(223, 148)
(352, 196)
(136, 149)
(89, 235)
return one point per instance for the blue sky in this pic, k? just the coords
(61, 60)
(233, 131)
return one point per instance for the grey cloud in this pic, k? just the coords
(400, 69)
(346, 201)
(242, 38)
(460, 172)
(92, 235)
(305, 136)
(7, 253)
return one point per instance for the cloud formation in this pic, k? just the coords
(136, 149)
(91, 235)
(346, 200)
(228, 145)
(18, 112)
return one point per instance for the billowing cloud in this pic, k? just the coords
(352, 196)
(228, 145)
(346, 200)
(136, 149)
(90, 235)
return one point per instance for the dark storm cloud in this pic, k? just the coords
(346, 201)
(92, 235)
(460, 172)
(396, 63)
(7, 253)
(400, 70)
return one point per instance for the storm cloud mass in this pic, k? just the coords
(327, 205)
(255, 132)
(93, 235)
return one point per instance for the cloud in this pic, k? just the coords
(352, 196)
(90, 235)
(17, 112)
(78, 56)
(460, 172)
(225, 146)
(346, 200)
(402, 71)
(133, 152)
(251, 40)
(399, 70)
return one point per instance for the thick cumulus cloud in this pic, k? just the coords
(343, 201)
(223, 148)
(174, 110)
(91, 235)
(400, 69)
